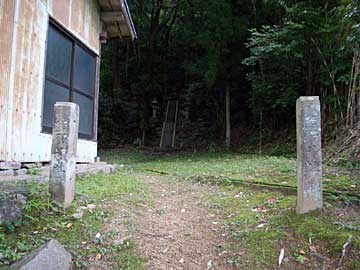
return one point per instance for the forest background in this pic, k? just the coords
(236, 67)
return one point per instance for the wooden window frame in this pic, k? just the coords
(75, 42)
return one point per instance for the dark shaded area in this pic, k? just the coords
(267, 52)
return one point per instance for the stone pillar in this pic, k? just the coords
(63, 152)
(309, 157)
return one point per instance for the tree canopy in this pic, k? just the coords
(267, 53)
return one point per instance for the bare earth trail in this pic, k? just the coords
(178, 232)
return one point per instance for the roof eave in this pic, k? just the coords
(115, 14)
(126, 11)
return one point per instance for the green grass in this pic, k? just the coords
(244, 208)
(224, 165)
(262, 222)
(45, 220)
(283, 228)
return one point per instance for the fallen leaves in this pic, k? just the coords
(98, 257)
(313, 249)
(259, 210)
(271, 201)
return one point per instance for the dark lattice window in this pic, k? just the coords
(69, 76)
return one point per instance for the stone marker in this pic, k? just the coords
(309, 157)
(51, 256)
(63, 152)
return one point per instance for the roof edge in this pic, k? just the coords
(126, 11)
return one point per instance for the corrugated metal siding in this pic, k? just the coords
(25, 142)
(28, 81)
(61, 10)
(7, 9)
(80, 17)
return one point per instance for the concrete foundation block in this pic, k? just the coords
(10, 165)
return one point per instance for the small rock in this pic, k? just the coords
(11, 206)
(119, 242)
(181, 260)
(21, 199)
(222, 253)
(1, 256)
(20, 172)
(98, 235)
(91, 207)
(183, 210)
(78, 215)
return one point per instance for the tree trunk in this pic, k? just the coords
(228, 124)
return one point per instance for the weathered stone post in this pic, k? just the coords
(309, 157)
(63, 152)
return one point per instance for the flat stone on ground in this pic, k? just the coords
(51, 256)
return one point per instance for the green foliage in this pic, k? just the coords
(268, 53)
(45, 219)
(33, 171)
(307, 52)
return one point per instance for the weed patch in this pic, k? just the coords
(44, 220)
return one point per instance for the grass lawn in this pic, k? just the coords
(86, 237)
(257, 222)
(260, 222)
(222, 166)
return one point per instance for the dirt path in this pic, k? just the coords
(178, 232)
